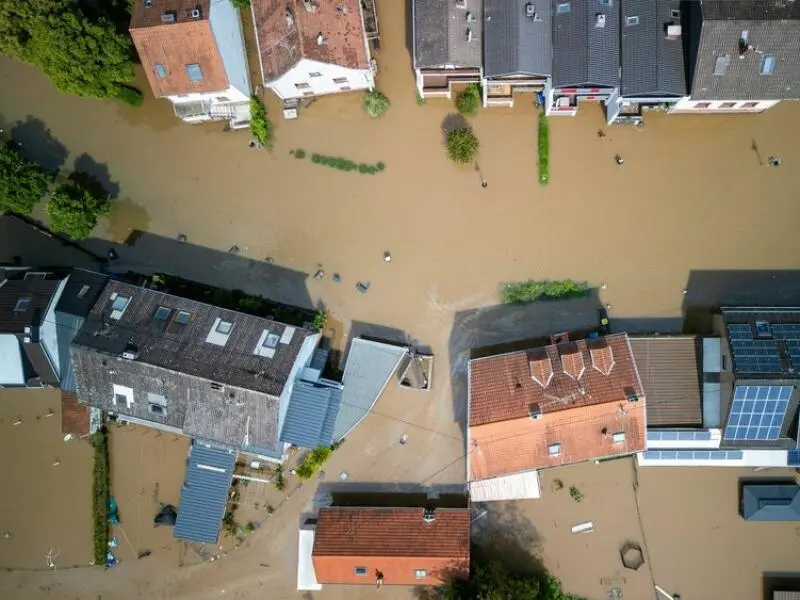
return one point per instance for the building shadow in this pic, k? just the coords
(508, 327)
(409, 8)
(707, 290)
(779, 581)
(501, 531)
(147, 254)
(94, 176)
(35, 140)
(27, 242)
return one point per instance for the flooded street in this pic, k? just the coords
(693, 195)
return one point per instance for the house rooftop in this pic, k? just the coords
(176, 46)
(24, 301)
(216, 373)
(652, 48)
(585, 43)
(406, 546)
(764, 342)
(669, 367)
(748, 51)
(517, 38)
(770, 502)
(441, 33)
(328, 32)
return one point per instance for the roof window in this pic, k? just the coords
(562, 8)
(224, 327)
(183, 317)
(721, 64)
(360, 571)
(271, 341)
(194, 72)
(675, 13)
(631, 21)
(607, 2)
(161, 71)
(83, 291)
(768, 65)
(554, 449)
(618, 438)
(162, 313)
(118, 305)
(420, 573)
(22, 305)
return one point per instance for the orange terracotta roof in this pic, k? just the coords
(394, 542)
(287, 32)
(584, 372)
(74, 415)
(582, 433)
(174, 46)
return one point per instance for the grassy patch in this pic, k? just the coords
(544, 149)
(314, 461)
(129, 95)
(420, 100)
(101, 483)
(260, 126)
(468, 101)
(522, 292)
(344, 164)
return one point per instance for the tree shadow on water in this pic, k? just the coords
(94, 176)
(454, 122)
(504, 533)
(35, 140)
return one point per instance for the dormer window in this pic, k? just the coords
(22, 305)
(224, 327)
(271, 341)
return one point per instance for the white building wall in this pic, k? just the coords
(723, 106)
(231, 94)
(226, 25)
(520, 486)
(750, 458)
(48, 332)
(298, 82)
(716, 437)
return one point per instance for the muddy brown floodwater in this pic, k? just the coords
(692, 195)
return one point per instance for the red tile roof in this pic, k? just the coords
(188, 41)
(555, 405)
(287, 31)
(585, 372)
(394, 542)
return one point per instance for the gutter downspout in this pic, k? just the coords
(258, 45)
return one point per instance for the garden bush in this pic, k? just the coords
(74, 210)
(314, 461)
(343, 164)
(462, 146)
(299, 153)
(544, 149)
(375, 104)
(320, 320)
(22, 181)
(468, 101)
(241, 4)
(101, 483)
(523, 292)
(129, 95)
(260, 126)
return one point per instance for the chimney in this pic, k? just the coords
(602, 359)
(535, 411)
(541, 369)
(572, 363)
(429, 515)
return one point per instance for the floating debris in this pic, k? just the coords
(336, 278)
(182, 238)
(50, 412)
(404, 439)
(363, 286)
(387, 257)
(618, 159)
(269, 260)
(319, 274)
(112, 254)
(343, 475)
(234, 250)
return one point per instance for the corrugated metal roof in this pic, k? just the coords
(311, 415)
(785, 595)
(368, 369)
(669, 370)
(204, 494)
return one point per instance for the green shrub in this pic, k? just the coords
(129, 95)
(544, 149)
(101, 484)
(375, 104)
(277, 479)
(575, 493)
(462, 146)
(380, 166)
(251, 303)
(314, 461)
(523, 292)
(343, 164)
(241, 4)
(320, 320)
(420, 99)
(22, 181)
(469, 100)
(299, 153)
(74, 209)
(260, 126)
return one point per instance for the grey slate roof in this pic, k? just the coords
(81, 292)
(514, 43)
(669, 369)
(770, 502)
(773, 29)
(225, 393)
(204, 495)
(583, 53)
(440, 33)
(651, 64)
(312, 412)
(367, 371)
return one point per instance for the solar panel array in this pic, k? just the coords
(693, 455)
(756, 355)
(674, 436)
(793, 458)
(757, 412)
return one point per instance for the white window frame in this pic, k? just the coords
(618, 437)
(420, 573)
(125, 391)
(554, 449)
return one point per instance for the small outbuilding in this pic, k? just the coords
(770, 502)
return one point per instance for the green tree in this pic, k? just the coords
(74, 210)
(22, 182)
(241, 4)
(462, 146)
(81, 55)
(375, 104)
(260, 127)
(468, 101)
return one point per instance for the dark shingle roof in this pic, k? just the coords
(652, 64)
(770, 502)
(204, 494)
(227, 393)
(440, 33)
(81, 292)
(583, 53)
(514, 42)
(38, 291)
(773, 30)
(669, 370)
